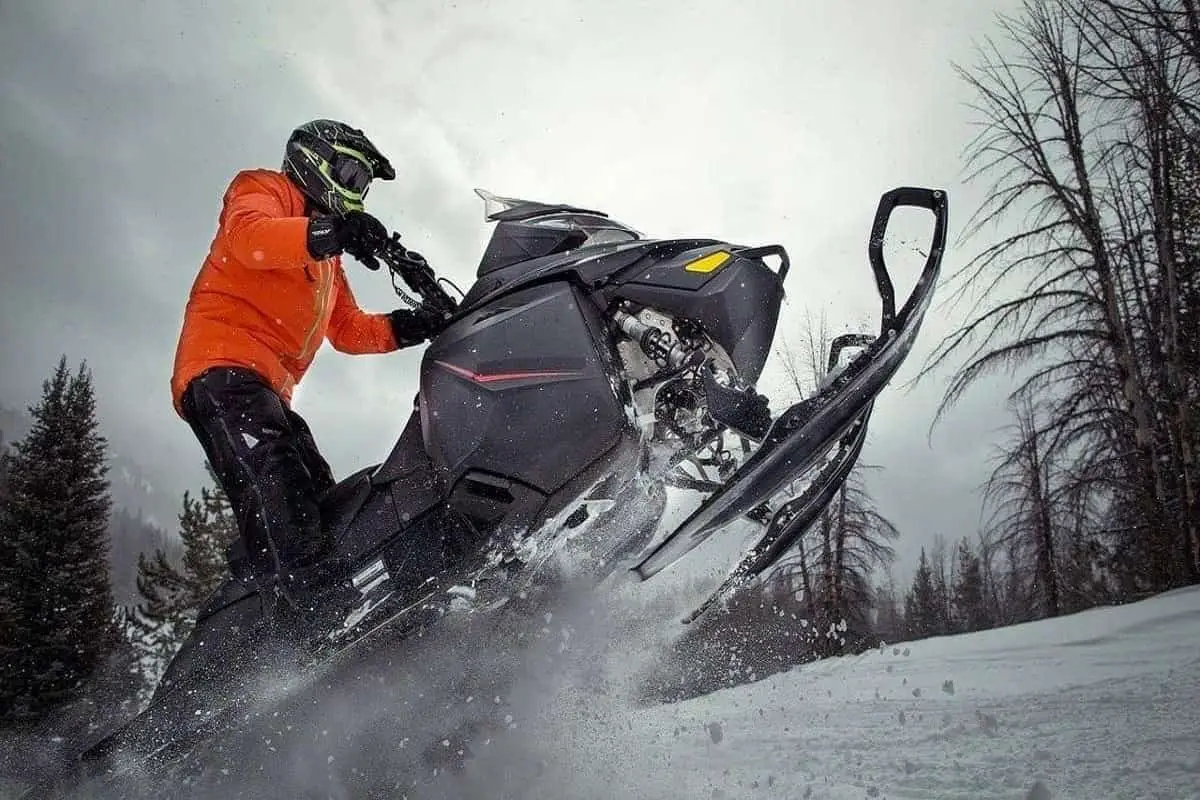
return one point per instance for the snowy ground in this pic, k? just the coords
(1103, 704)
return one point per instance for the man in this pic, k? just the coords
(270, 290)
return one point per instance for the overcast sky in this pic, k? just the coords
(122, 122)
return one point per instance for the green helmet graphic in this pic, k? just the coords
(333, 165)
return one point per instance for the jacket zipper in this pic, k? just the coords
(323, 285)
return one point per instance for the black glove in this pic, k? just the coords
(356, 233)
(413, 326)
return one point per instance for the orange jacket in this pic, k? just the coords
(261, 301)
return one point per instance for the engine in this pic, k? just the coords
(672, 369)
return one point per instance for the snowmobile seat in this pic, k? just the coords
(340, 502)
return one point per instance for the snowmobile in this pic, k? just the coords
(588, 368)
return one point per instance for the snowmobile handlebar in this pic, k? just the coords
(412, 268)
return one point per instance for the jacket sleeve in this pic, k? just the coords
(352, 330)
(258, 230)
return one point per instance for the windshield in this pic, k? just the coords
(494, 204)
(597, 226)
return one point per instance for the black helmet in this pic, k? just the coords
(333, 164)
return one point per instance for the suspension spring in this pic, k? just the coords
(663, 348)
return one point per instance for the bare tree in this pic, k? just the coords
(1088, 126)
(1022, 500)
(1142, 62)
(889, 615)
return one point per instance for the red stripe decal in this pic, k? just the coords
(504, 376)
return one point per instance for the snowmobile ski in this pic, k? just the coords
(806, 431)
(793, 518)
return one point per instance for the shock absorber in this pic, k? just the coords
(656, 343)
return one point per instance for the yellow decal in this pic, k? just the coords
(709, 263)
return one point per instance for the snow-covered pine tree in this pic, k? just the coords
(922, 611)
(10, 622)
(3, 463)
(56, 608)
(970, 610)
(172, 595)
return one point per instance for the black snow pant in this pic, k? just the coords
(267, 462)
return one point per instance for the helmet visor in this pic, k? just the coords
(351, 173)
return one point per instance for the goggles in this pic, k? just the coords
(350, 172)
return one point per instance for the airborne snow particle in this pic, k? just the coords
(987, 723)
(1038, 792)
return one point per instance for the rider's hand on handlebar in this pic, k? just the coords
(357, 233)
(413, 326)
(360, 234)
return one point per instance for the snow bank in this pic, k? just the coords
(1101, 704)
